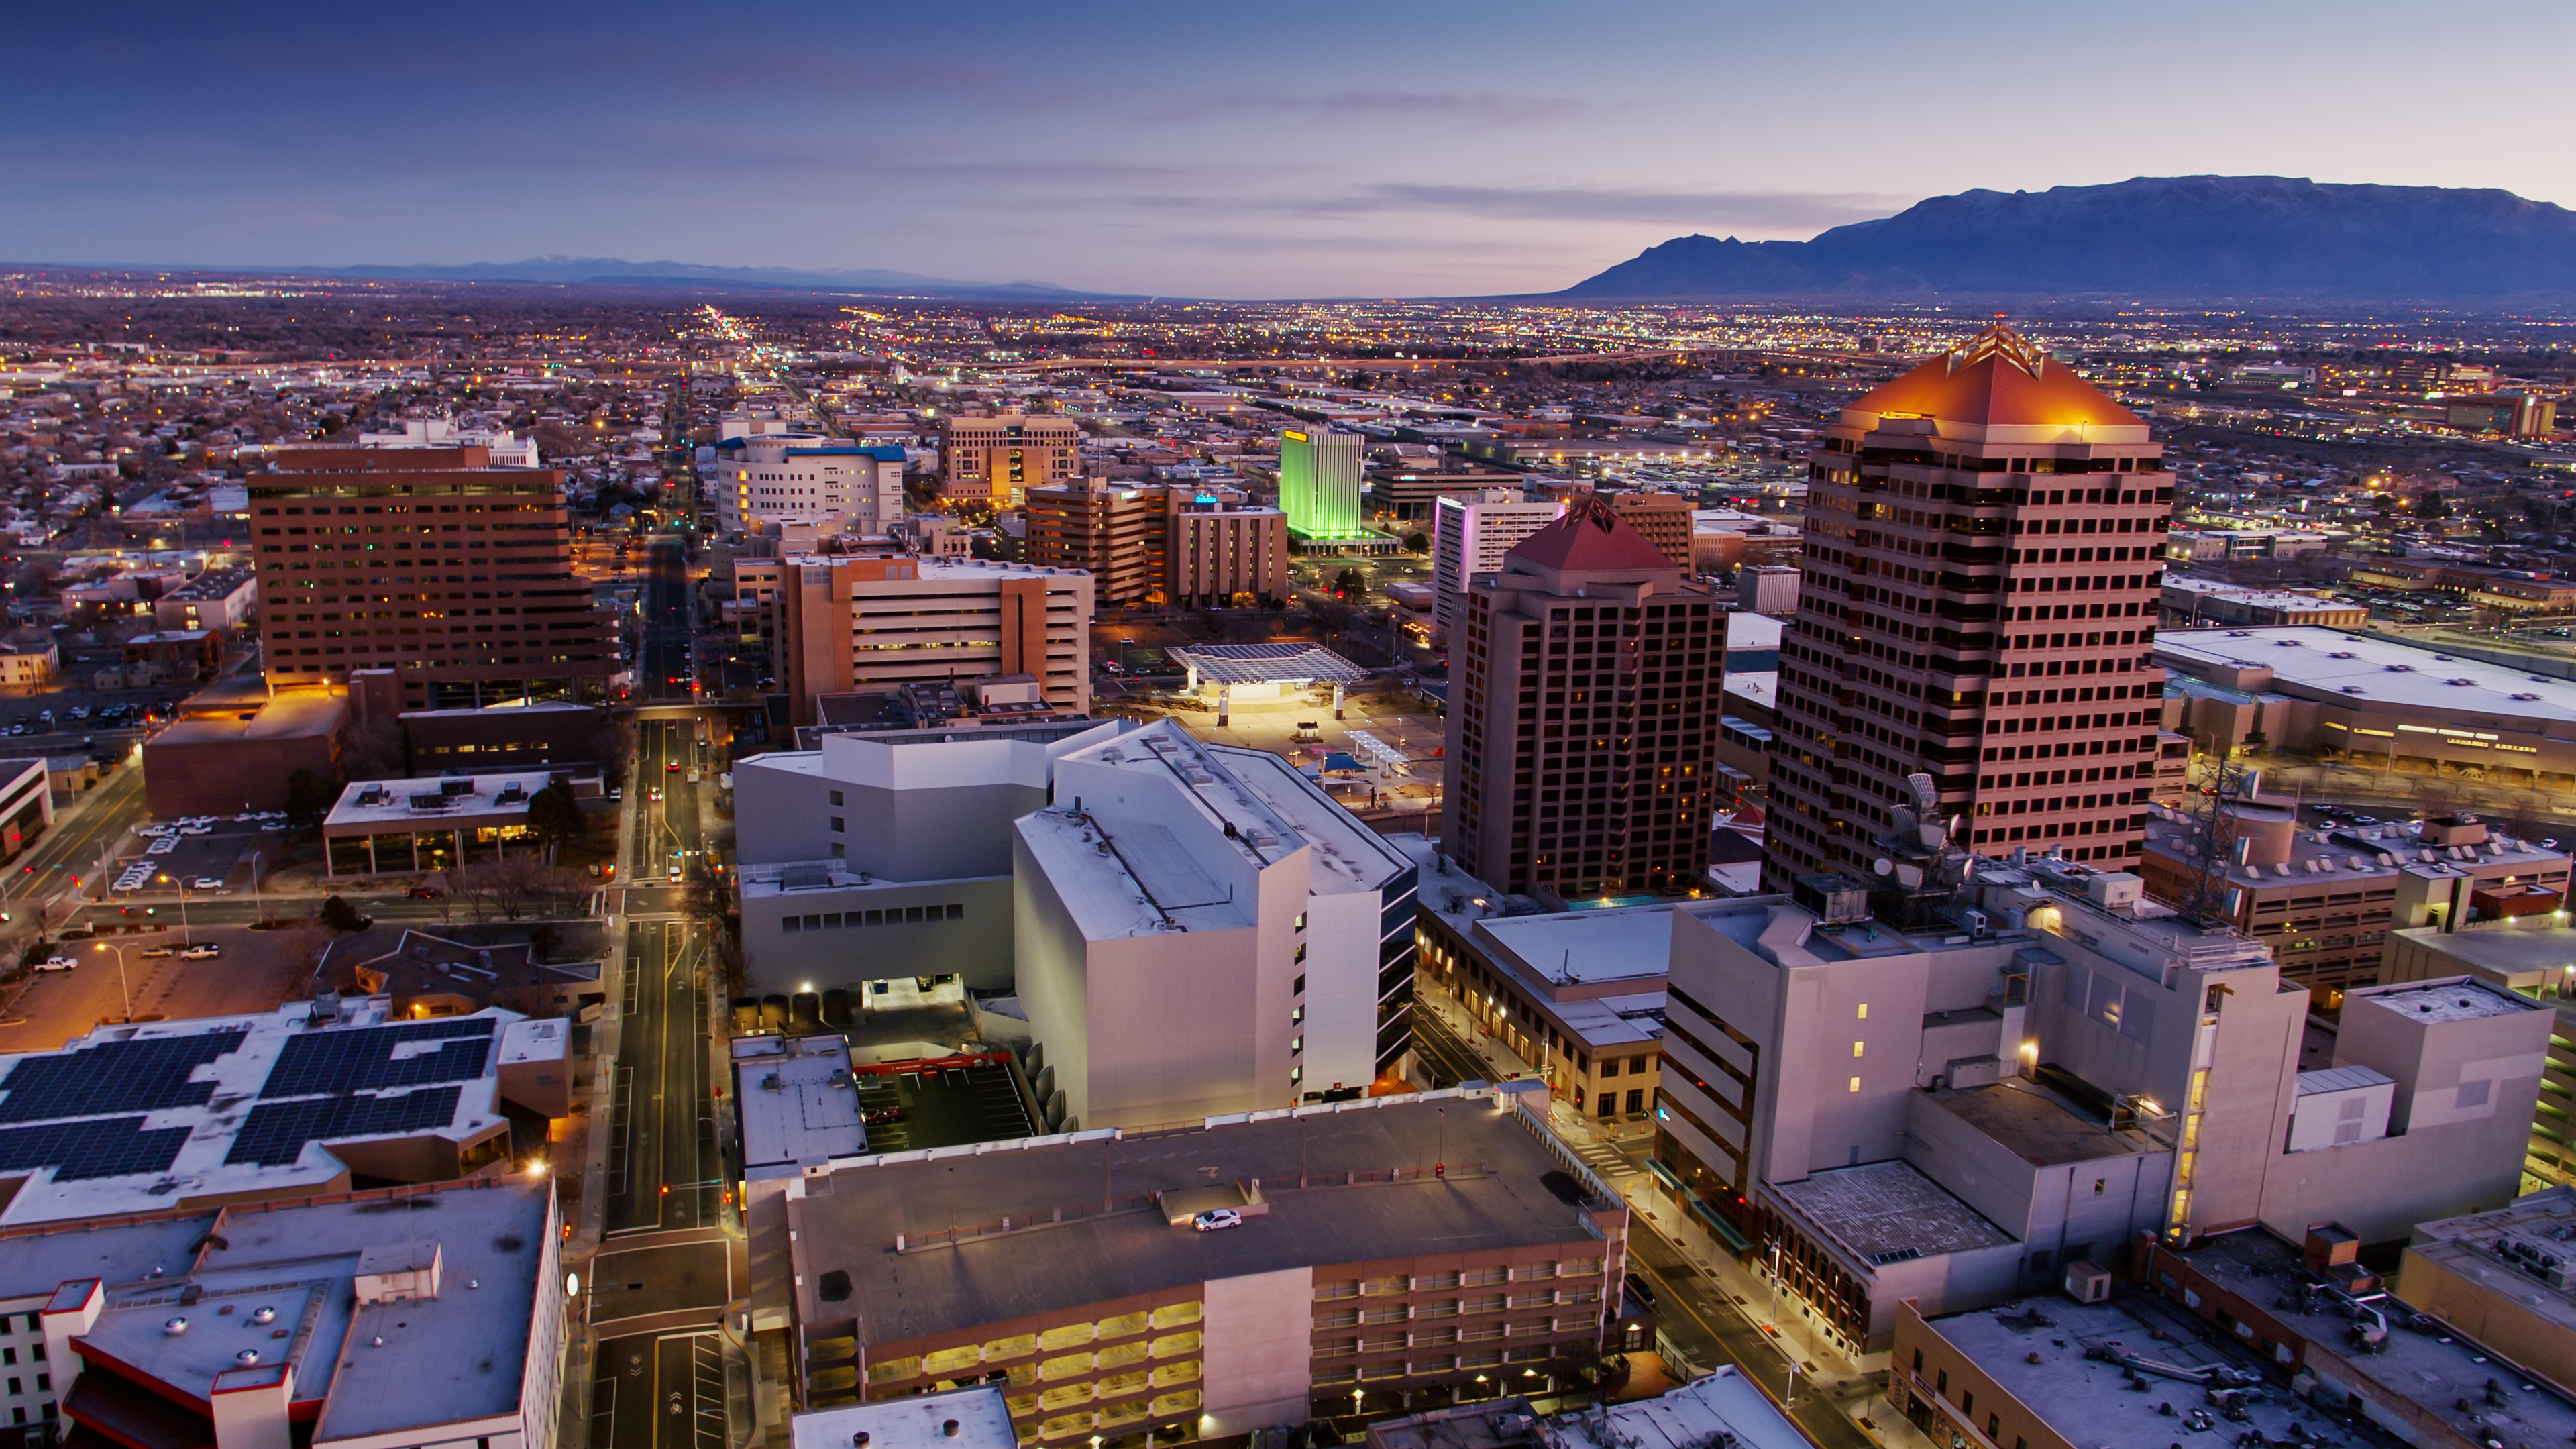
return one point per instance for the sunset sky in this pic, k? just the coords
(1205, 149)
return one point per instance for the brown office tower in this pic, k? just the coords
(1954, 623)
(432, 563)
(1114, 530)
(1663, 518)
(1223, 551)
(1584, 717)
(999, 459)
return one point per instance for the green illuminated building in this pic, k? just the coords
(1319, 484)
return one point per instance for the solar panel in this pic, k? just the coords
(274, 1133)
(338, 1062)
(110, 1147)
(116, 1076)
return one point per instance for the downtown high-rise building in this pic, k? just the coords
(998, 459)
(1977, 606)
(1469, 536)
(454, 575)
(1319, 483)
(1582, 722)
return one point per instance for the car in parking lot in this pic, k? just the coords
(155, 953)
(1216, 1220)
(426, 893)
(205, 883)
(55, 963)
(206, 952)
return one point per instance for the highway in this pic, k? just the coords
(1695, 1316)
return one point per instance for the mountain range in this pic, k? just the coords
(2164, 237)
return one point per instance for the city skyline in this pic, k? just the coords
(1422, 153)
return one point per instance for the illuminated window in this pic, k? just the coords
(1863, 1013)
(1855, 1084)
(1856, 1046)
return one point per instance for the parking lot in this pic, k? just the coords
(253, 974)
(202, 853)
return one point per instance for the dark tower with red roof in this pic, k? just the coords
(1978, 607)
(1582, 728)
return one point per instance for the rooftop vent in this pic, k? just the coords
(2526, 695)
(2459, 681)
(2398, 668)
(397, 1272)
(246, 1357)
(174, 1326)
(2352, 689)
(2340, 654)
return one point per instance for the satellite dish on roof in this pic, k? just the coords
(1883, 866)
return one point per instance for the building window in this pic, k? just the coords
(836, 797)
(1856, 1046)
(1861, 1015)
(1855, 1084)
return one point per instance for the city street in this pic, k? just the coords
(671, 1257)
(1706, 1308)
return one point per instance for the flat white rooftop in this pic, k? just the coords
(2446, 1001)
(371, 805)
(2369, 669)
(797, 1101)
(919, 1422)
(1570, 948)
(168, 1113)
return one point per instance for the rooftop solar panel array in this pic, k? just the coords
(116, 1076)
(339, 1062)
(99, 1147)
(275, 1132)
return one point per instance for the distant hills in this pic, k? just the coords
(610, 271)
(2169, 237)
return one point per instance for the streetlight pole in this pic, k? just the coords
(184, 938)
(257, 911)
(121, 984)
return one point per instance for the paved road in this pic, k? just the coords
(663, 1168)
(72, 848)
(667, 1267)
(1697, 1319)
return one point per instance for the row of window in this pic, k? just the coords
(889, 916)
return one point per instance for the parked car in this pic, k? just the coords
(205, 883)
(1216, 1219)
(55, 963)
(426, 893)
(154, 953)
(207, 952)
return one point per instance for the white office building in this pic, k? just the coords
(508, 449)
(834, 484)
(889, 853)
(1202, 930)
(1469, 536)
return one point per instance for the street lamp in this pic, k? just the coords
(184, 938)
(121, 985)
(257, 910)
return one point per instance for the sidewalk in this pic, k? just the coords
(588, 1218)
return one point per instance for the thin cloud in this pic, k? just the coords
(1473, 107)
(1748, 210)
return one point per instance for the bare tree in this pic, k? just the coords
(614, 749)
(302, 946)
(515, 887)
(373, 751)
